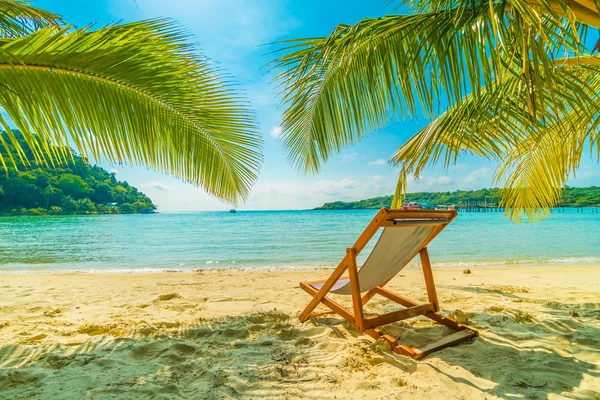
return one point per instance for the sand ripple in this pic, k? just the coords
(540, 339)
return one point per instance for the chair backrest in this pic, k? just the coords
(397, 246)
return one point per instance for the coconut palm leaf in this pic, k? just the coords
(501, 67)
(339, 88)
(536, 155)
(18, 18)
(134, 93)
(537, 173)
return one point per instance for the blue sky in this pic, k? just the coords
(234, 33)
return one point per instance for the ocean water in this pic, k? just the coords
(289, 239)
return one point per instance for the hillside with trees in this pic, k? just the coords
(571, 197)
(73, 188)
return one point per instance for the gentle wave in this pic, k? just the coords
(275, 239)
(571, 261)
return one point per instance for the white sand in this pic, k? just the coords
(235, 334)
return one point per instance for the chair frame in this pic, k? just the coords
(370, 325)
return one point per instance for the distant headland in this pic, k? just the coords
(485, 198)
(73, 188)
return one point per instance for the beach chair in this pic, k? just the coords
(405, 235)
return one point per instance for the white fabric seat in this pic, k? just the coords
(396, 247)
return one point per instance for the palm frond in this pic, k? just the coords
(536, 155)
(535, 174)
(134, 93)
(339, 88)
(18, 18)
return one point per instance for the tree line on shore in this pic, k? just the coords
(29, 188)
(571, 197)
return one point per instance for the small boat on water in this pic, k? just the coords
(445, 207)
(413, 205)
(232, 211)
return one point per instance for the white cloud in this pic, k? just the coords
(477, 179)
(309, 194)
(445, 180)
(379, 161)
(276, 132)
(157, 185)
(303, 193)
(354, 156)
(334, 188)
(114, 171)
(586, 172)
(431, 184)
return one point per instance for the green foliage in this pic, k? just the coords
(73, 185)
(137, 93)
(520, 84)
(18, 18)
(73, 188)
(571, 197)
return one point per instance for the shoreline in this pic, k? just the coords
(452, 265)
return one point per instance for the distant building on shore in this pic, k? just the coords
(413, 205)
(445, 207)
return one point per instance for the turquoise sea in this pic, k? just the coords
(290, 239)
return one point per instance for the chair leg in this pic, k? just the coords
(417, 353)
(355, 288)
(334, 306)
(395, 346)
(429, 283)
(463, 332)
(320, 295)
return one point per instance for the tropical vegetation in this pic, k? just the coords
(509, 80)
(571, 197)
(137, 93)
(72, 188)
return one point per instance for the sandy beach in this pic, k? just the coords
(221, 334)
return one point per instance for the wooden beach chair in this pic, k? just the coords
(405, 235)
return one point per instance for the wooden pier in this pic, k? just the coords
(477, 207)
